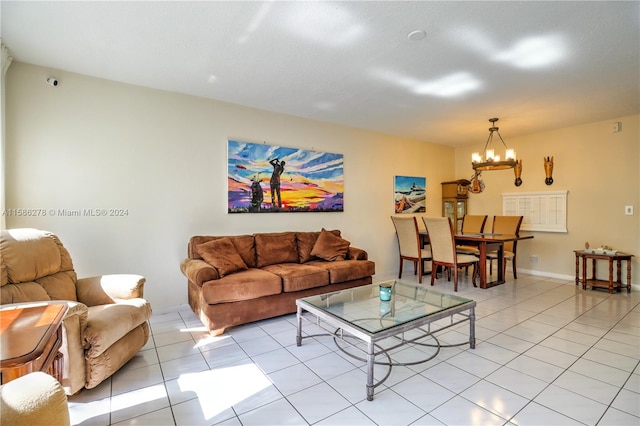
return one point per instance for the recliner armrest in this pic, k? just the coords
(198, 271)
(105, 289)
(79, 310)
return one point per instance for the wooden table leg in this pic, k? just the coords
(482, 247)
(501, 266)
(577, 268)
(619, 265)
(610, 275)
(584, 273)
(56, 368)
(629, 275)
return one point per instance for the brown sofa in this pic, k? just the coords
(106, 324)
(234, 280)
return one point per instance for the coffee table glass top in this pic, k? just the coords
(362, 307)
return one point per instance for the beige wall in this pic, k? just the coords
(91, 143)
(598, 168)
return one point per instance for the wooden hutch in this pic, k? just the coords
(454, 201)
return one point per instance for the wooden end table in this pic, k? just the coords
(594, 282)
(31, 337)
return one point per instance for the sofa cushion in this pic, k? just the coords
(346, 270)
(305, 241)
(330, 247)
(273, 248)
(223, 255)
(297, 277)
(246, 246)
(244, 285)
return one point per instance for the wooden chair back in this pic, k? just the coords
(507, 225)
(473, 224)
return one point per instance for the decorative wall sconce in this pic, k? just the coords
(548, 170)
(517, 170)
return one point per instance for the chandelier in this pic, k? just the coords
(491, 161)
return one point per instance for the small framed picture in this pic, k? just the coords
(410, 194)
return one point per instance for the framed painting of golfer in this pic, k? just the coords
(410, 194)
(274, 179)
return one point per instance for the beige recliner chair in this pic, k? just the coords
(106, 324)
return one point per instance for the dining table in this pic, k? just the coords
(485, 241)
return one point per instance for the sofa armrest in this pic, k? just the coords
(34, 399)
(355, 253)
(198, 271)
(105, 289)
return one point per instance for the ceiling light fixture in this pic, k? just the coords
(490, 161)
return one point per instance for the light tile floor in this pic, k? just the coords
(548, 353)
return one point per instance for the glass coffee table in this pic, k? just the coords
(359, 319)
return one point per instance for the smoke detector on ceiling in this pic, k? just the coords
(416, 35)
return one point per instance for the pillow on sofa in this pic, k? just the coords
(330, 247)
(306, 241)
(222, 255)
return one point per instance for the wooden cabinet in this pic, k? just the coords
(454, 201)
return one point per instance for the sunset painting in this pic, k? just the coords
(266, 178)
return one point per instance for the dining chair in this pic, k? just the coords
(443, 250)
(471, 224)
(505, 225)
(410, 244)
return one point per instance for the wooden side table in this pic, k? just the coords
(594, 282)
(31, 337)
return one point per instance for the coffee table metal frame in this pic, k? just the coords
(343, 329)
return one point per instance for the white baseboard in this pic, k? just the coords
(546, 274)
(634, 287)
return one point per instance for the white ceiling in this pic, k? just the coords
(536, 65)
